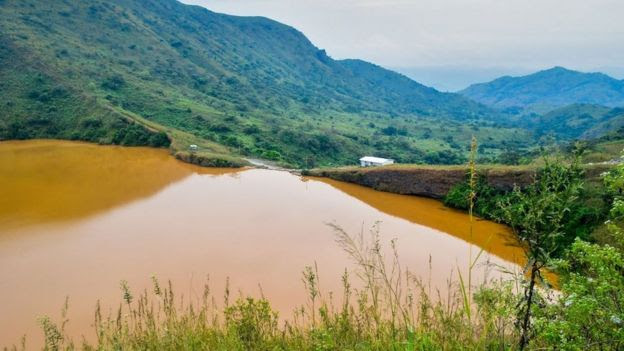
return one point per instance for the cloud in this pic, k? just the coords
(524, 34)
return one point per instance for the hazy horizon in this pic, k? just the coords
(453, 43)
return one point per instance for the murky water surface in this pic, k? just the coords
(77, 218)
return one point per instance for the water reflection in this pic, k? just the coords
(46, 181)
(490, 236)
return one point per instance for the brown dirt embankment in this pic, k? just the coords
(433, 181)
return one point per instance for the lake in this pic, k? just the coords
(77, 218)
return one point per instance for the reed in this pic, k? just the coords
(382, 306)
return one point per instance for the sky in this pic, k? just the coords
(449, 44)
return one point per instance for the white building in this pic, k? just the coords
(368, 161)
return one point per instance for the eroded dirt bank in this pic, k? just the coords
(431, 181)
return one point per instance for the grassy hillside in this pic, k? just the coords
(612, 121)
(37, 104)
(102, 70)
(578, 121)
(607, 148)
(547, 90)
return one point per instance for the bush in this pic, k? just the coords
(91, 122)
(159, 139)
(115, 82)
(486, 198)
(272, 155)
(589, 314)
(252, 321)
(137, 135)
(445, 157)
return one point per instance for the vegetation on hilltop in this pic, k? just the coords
(244, 85)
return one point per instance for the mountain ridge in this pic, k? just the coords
(244, 85)
(547, 90)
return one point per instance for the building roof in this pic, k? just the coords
(374, 159)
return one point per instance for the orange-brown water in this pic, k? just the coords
(77, 218)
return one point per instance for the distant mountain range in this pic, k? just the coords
(558, 101)
(83, 69)
(547, 90)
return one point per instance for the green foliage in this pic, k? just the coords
(512, 156)
(115, 82)
(550, 217)
(252, 322)
(445, 157)
(538, 216)
(209, 160)
(616, 133)
(614, 183)
(38, 105)
(135, 135)
(576, 121)
(458, 196)
(586, 211)
(486, 199)
(540, 213)
(589, 314)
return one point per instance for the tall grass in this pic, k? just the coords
(382, 306)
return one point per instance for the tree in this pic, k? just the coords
(538, 215)
(614, 182)
(590, 311)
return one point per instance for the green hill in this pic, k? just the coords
(103, 70)
(576, 121)
(547, 90)
(572, 121)
(611, 121)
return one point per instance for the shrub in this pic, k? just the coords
(159, 139)
(253, 322)
(588, 315)
(91, 122)
(136, 135)
(114, 82)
